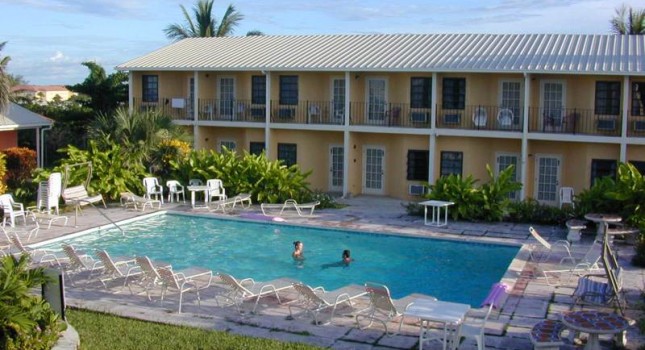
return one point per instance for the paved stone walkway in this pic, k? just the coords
(530, 300)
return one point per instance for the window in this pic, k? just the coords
(421, 92)
(288, 89)
(503, 162)
(511, 98)
(230, 145)
(150, 88)
(418, 165)
(608, 97)
(601, 168)
(257, 148)
(638, 99)
(454, 93)
(258, 89)
(451, 163)
(287, 152)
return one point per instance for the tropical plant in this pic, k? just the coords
(112, 172)
(4, 80)
(628, 21)
(595, 200)
(533, 212)
(495, 193)
(105, 92)
(461, 191)
(139, 133)
(267, 181)
(3, 171)
(26, 321)
(204, 24)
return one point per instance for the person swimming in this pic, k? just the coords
(344, 261)
(298, 248)
(347, 257)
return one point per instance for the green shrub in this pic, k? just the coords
(595, 200)
(495, 194)
(3, 171)
(326, 200)
(459, 190)
(532, 211)
(26, 321)
(20, 163)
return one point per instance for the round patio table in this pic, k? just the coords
(594, 323)
(599, 219)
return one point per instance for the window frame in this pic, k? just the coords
(448, 166)
(607, 98)
(417, 165)
(258, 90)
(608, 166)
(288, 90)
(453, 93)
(288, 155)
(150, 88)
(254, 144)
(422, 98)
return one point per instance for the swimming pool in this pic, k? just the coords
(449, 270)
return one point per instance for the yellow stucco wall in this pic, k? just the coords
(210, 137)
(477, 152)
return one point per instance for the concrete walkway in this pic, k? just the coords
(530, 300)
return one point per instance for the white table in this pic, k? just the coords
(436, 212)
(450, 314)
(194, 189)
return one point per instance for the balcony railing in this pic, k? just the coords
(231, 110)
(479, 117)
(636, 126)
(573, 121)
(177, 107)
(308, 112)
(389, 114)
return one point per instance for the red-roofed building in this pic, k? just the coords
(44, 93)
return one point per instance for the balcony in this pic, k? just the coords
(478, 117)
(389, 115)
(573, 121)
(178, 108)
(636, 126)
(309, 112)
(231, 110)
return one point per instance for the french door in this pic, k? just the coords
(373, 169)
(547, 179)
(376, 100)
(504, 160)
(336, 164)
(338, 100)
(552, 100)
(226, 97)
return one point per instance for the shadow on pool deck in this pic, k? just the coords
(530, 300)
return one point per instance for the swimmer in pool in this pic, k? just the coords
(346, 257)
(298, 248)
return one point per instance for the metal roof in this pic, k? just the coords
(18, 117)
(531, 53)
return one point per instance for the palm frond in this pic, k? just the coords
(230, 20)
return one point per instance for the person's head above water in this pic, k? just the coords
(346, 254)
(296, 244)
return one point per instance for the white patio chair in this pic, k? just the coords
(505, 118)
(153, 188)
(315, 300)
(215, 189)
(480, 117)
(543, 251)
(174, 190)
(12, 210)
(149, 277)
(566, 196)
(37, 256)
(189, 280)
(475, 327)
(382, 307)
(78, 262)
(589, 262)
(247, 289)
(115, 269)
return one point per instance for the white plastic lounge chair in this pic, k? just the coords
(189, 280)
(78, 196)
(475, 327)
(304, 209)
(215, 189)
(37, 256)
(590, 261)
(480, 117)
(230, 203)
(315, 300)
(78, 262)
(48, 217)
(248, 289)
(131, 200)
(153, 188)
(12, 210)
(149, 277)
(115, 269)
(174, 190)
(25, 232)
(543, 251)
(382, 307)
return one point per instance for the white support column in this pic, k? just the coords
(196, 111)
(625, 123)
(525, 131)
(267, 116)
(130, 92)
(39, 150)
(433, 131)
(346, 145)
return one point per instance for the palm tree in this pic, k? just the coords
(628, 21)
(204, 24)
(4, 81)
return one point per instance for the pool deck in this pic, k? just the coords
(529, 301)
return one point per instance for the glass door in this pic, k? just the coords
(547, 179)
(226, 97)
(510, 100)
(552, 98)
(338, 100)
(376, 100)
(373, 170)
(336, 164)
(504, 160)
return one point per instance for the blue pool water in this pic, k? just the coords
(449, 270)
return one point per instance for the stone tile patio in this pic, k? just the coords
(530, 300)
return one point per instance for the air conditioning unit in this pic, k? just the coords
(416, 190)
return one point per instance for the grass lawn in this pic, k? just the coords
(104, 331)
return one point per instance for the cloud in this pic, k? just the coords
(102, 8)
(58, 56)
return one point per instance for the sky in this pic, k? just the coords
(48, 40)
